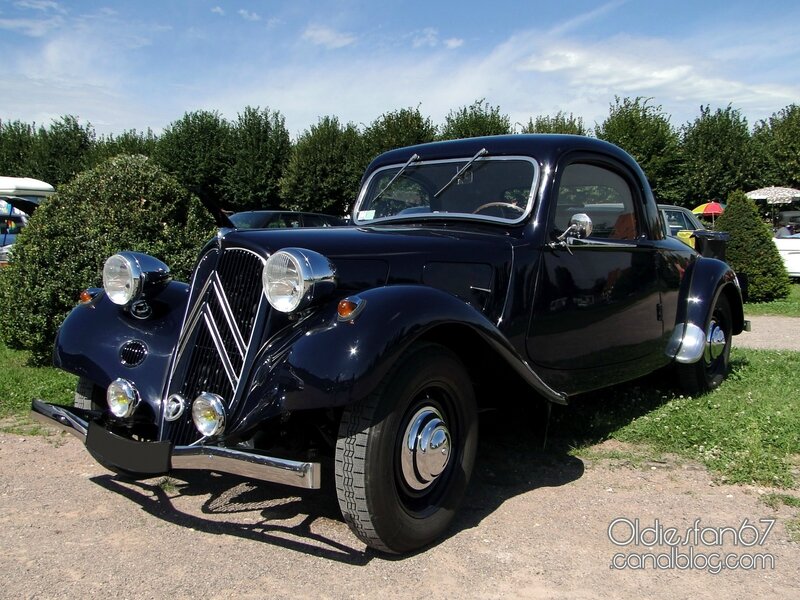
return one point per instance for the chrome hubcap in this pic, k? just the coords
(715, 342)
(425, 449)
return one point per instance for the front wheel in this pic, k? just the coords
(405, 453)
(712, 368)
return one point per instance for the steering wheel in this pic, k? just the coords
(496, 204)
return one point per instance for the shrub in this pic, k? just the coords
(126, 203)
(751, 250)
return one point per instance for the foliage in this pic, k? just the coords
(61, 151)
(128, 142)
(644, 132)
(778, 141)
(785, 307)
(196, 150)
(126, 203)
(561, 122)
(324, 172)
(751, 250)
(404, 127)
(17, 141)
(719, 155)
(259, 150)
(477, 119)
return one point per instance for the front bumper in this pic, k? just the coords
(159, 458)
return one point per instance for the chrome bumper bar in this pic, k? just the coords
(210, 458)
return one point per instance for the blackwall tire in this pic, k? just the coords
(404, 454)
(712, 368)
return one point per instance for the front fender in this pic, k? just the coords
(89, 341)
(705, 281)
(323, 362)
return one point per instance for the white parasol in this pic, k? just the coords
(775, 195)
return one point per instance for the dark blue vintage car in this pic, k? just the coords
(539, 262)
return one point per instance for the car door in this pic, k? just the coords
(597, 299)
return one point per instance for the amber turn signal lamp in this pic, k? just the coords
(86, 296)
(349, 308)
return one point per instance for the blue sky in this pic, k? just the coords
(124, 65)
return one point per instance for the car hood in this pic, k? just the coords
(472, 265)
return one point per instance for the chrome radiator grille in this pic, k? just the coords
(217, 336)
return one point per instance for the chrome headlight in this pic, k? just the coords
(122, 279)
(127, 275)
(122, 397)
(294, 277)
(208, 414)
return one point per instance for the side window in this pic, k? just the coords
(313, 221)
(603, 195)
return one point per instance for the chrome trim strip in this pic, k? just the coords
(192, 317)
(216, 337)
(48, 414)
(227, 312)
(306, 475)
(254, 466)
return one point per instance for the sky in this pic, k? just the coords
(144, 64)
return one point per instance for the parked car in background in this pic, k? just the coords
(19, 198)
(680, 219)
(789, 249)
(279, 219)
(514, 268)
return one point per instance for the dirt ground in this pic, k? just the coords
(535, 524)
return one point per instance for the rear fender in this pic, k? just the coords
(705, 281)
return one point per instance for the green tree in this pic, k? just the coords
(62, 150)
(404, 127)
(643, 130)
(325, 168)
(777, 144)
(196, 150)
(751, 251)
(719, 155)
(17, 140)
(477, 119)
(128, 142)
(260, 151)
(126, 203)
(561, 122)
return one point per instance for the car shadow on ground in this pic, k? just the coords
(521, 449)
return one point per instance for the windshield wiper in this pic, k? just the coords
(414, 158)
(461, 171)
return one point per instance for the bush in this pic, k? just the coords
(126, 203)
(751, 250)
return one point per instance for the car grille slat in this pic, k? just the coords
(223, 320)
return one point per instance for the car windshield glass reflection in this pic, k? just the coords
(495, 188)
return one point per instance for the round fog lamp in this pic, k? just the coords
(208, 414)
(122, 398)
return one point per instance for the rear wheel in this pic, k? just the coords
(405, 453)
(88, 395)
(712, 368)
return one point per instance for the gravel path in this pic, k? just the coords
(771, 333)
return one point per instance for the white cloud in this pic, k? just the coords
(31, 27)
(321, 35)
(453, 43)
(427, 37)
(217, 10)
(249, 16)
(42, 5)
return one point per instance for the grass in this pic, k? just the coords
(788, 307)
(747, 430)
(20, 383)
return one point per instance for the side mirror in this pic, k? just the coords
(580, 227)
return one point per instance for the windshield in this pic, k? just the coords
(491, 188)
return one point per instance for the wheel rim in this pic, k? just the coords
(716, 341)
(425, 448)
